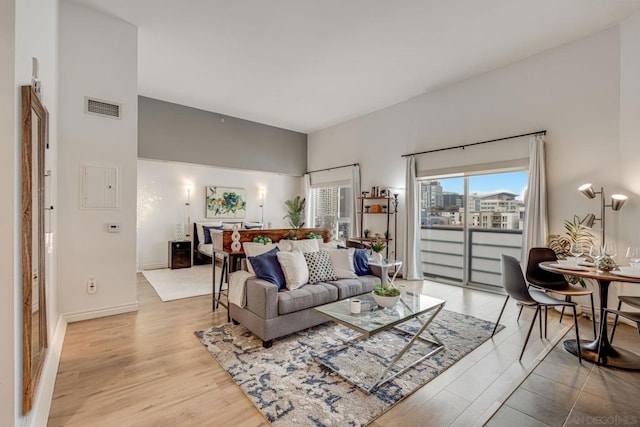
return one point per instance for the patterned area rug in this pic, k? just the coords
(290, 386)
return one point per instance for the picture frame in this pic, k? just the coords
(225, 202)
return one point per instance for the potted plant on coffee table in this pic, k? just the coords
(386, 295)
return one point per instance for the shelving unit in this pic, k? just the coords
(379, 205)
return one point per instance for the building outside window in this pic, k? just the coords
(331, 208)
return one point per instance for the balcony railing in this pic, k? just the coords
(442, 253)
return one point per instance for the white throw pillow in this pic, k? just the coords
(255, 249)
(284, 245)
(342, 262)
(333, 244)
(230, 225)
(305, 245)
(294, 267)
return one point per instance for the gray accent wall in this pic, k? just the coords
(174, 132)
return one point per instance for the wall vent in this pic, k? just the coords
(102, 108)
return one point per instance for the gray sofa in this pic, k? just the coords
(271, 314)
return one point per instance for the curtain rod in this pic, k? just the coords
(335, 167)
(540, 132)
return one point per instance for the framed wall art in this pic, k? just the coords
(225, 202)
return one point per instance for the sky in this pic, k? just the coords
(513, 182)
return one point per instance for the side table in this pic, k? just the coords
(384, 266)
(179, 254)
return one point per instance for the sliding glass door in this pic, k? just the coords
(467, 222)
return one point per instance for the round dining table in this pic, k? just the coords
(610, 356)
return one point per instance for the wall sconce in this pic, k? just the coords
(617, 201)
(262, 193)
(188, 209)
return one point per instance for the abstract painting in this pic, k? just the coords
(224, 202)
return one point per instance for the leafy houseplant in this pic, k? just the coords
(313, 235)
(262, 239)
(295, 212)
(575, 232)
(378, 245)
(366, 232)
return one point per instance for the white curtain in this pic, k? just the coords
(309, 200)
(536, 222)
(412, 266)
(355, 193)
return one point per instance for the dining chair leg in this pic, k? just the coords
(615, 323)
(593, 318)
(540, 322)
(533, 322)
(546, 316)
(567, 299)
(603, 325)
(575, 323)
(500, 315)
(519, 313)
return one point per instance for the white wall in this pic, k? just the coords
(162, 196)
(572, 91)
(98, 58)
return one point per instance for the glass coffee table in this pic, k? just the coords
(373, 319)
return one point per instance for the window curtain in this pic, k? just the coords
(355, 193)
(308, 196)
(536, 222)
(411, 266)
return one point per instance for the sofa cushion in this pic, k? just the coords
(252, 249)
(361, 261)
(304, 245)
(350, 287)
(307, 296)
(342, 262)
(296, 272)
(320, 268)
(267, 267)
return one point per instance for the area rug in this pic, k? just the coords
(290, 386)
(182, 282)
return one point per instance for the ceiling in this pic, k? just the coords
(308, 64)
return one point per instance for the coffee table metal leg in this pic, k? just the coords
(383, 378)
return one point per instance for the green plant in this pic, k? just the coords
(575, 232)
(386, 291)
(291, 234)
(378, 245)
(313, 235)
(262, 239)
(295, 211)
(366, 232)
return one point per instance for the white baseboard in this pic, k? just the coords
(100, 312)
(39, 414)
(154, 266)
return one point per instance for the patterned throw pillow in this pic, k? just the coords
(320, 268)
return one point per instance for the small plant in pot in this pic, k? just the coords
(295, 215)
(386, 295)
(366, 232)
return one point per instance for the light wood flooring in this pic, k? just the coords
(148, 369)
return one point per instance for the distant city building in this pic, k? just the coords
(499, 210)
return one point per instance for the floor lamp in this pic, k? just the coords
(617, 201)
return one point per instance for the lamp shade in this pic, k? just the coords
(617, 200)
(587, 190)
(588, 220)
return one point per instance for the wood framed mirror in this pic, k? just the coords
(34, 315)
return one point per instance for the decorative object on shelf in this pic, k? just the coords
(383, 192)
(366, 232)
(376, 208)
(384, 208)
(366, 208)
(617, 201)
(223, 202)
(576, 233)
(365, 193)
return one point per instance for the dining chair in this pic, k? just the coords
(548, 281)
(516, 287)
(633, 316)
(628, 300)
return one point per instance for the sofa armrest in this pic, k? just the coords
(262, 298)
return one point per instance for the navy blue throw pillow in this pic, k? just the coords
(361, 262)
(207, 235)
(267, 267)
